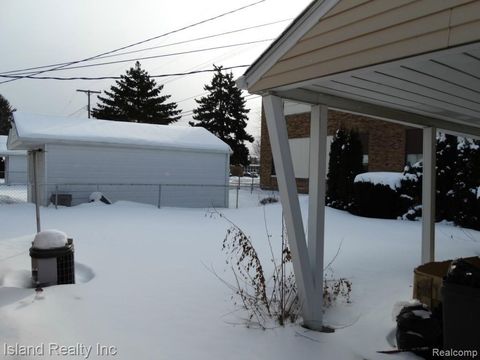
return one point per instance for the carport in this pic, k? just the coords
(411, 62)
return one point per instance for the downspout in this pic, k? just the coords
(35, 187)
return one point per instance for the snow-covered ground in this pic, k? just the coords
(244, 181)
(144, 288)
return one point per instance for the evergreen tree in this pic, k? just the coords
(136, 98)
(447, 154)
(345, 162)
(466, 184)
(223, 113)
(6, 115)
(457, 181)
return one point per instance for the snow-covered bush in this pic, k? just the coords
(376, 195)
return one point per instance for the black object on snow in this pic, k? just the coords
(418, 330)
(98, 196)
(61, 199)
(463, 273)
(461, 308)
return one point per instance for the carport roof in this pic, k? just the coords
(414, 62)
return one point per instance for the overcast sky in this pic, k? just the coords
(36, 33)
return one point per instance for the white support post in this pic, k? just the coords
(287, 187)
(428, 194)
(316, 190)
(35, 187)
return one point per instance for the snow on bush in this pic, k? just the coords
(378, 195)
(390, 179)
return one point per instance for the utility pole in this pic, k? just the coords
(89, 92)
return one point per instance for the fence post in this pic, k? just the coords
(238, 189)
(159, 195)
(56, 196)
(251, 187)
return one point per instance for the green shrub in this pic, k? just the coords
(376, 201)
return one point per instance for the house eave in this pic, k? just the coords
(304, 22)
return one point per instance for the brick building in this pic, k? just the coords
(387, 146)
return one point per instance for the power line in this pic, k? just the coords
(191, 97)
(153, 57)
(142, 41)
(77, 111)
(19, 71)
(190, 112)
(115, 77)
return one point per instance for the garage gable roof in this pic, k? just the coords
(6, 152)
(31, 131)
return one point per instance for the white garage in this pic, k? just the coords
(15, 172)
(154, 164)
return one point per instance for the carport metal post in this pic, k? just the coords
(316, 203)
(287, 186)
(428, 194)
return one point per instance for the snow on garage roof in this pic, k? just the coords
(31, 131)
(6, 152)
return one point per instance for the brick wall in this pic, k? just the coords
(386, 142)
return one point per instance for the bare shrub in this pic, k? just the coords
(275, 297)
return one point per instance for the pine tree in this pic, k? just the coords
(136, 98)
(466, 184)
(457, 181)
(223, 113)
(6, 115)
(344, 164)
(447, 154)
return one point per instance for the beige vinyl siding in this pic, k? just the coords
(358, 22)
(374, 32)
(345, 6)
(465, 33)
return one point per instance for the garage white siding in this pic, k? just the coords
(153, 176)
(16, 169)
(154, 164)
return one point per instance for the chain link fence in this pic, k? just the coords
(160, 195)
(13, 189)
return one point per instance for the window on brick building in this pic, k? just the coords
(413, 146)
(364, 142)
